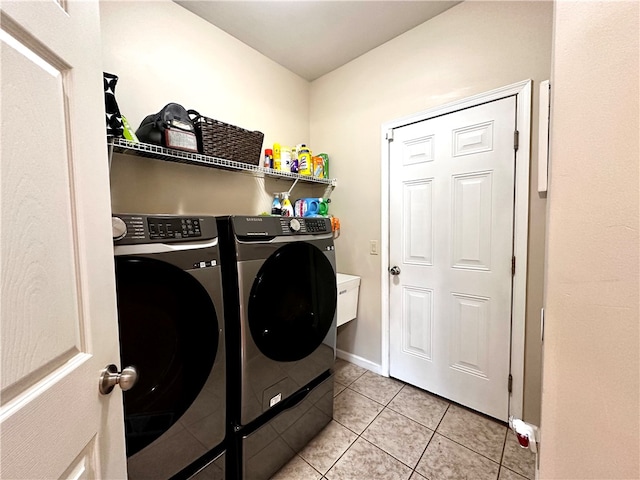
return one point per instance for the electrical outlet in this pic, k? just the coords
(373, 247)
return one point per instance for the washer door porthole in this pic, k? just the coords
(292, 302)
(168, 331)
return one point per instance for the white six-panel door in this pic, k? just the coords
(451, 235)
(58, 321)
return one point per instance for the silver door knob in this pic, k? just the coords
(395, 270)
(110, 377)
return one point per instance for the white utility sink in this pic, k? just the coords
(348, 289)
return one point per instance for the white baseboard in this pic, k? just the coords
(361, 362)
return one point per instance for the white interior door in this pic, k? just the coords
(451, 236)
(58, 310)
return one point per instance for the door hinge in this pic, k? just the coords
(389, 135)
(510, 383)
(513, 266)
(516, 140)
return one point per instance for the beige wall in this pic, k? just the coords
(591, 404)
(472, 48)
(163, 53)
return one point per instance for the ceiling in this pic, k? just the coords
(311, 37)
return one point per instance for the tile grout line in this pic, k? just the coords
(352, 381)
(385, 406)
(359, 435)
(468, 448)
(346, 387)
(434, 431)
(314, 468)
(504, 447)
(413, 469)
(429, 442)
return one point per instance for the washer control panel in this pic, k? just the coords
(317, 225)
(266, 226)
(301, 225)
(133, 228)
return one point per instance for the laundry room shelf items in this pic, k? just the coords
(120, 145)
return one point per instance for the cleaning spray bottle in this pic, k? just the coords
(287, 208)
(276, 206)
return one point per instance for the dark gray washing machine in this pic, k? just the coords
(170, 316)
(280, 311)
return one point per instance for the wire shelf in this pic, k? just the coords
(121, 145)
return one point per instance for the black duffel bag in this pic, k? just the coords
(171, 127)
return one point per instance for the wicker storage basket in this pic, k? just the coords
(221, 140)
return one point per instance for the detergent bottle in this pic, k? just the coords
(306, 207)
(304, 160)
(277, 156)
(323, 206)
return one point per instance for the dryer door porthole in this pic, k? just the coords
(168, 331)
(292, 302)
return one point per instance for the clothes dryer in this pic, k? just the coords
(170, 315)
(279, 280)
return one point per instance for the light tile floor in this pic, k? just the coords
(383, 429)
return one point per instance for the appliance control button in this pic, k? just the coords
(294, 225)
(119, 228)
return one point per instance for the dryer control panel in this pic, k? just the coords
(173, 227)
(139, 228)
(264, 226)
